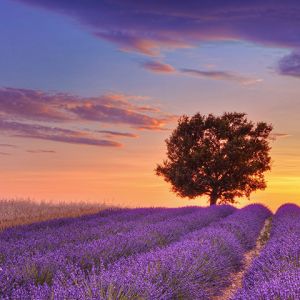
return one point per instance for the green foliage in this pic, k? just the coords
(223, 157)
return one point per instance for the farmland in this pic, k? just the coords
(15, 212)
(155, 253)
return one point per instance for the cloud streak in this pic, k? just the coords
(290, 65)
(277, 135)
(8, 145)
(4, 153)
(116, 115)
(55, 134)
(110, 133)
(221, 75)
(111, 108)
(148, 26)
(47, 116)
(33, 104)
(41, 151)
(158, 67)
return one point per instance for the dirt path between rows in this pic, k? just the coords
(237, 278)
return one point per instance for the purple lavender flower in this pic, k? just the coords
(275, 273)
(43, 253)
(196, 267)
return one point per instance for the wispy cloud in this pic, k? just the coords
(290, 65)
(58, 107)
(148, 26)
(41, 151)
(56, 134)
(158, 67)
(92, 111)
(5, 153)
(34, 104)
(221, 75)
(8, 145)
(276, 135)
(110, 133)
(44, 115)
(147, 45)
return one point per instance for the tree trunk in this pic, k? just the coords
(213, 199)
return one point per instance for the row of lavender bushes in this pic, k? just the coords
(197, 266)
(275, 273)
(33, 255)
(48, 236)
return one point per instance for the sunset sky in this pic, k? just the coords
(89, 91)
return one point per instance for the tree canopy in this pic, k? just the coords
(223, 157)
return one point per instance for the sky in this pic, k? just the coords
(90, 90)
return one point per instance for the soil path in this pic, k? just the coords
(237, 278)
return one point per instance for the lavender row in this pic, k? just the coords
(48, 236)
(89, 221)
(275, 274)
(41, 267)
(28, 253)
(196, 267)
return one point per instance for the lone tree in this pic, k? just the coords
(222, 157)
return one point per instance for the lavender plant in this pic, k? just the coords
(32, 261)
(195, 267)
(275, 273)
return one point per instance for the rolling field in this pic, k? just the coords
(155, 253)
(19, 212)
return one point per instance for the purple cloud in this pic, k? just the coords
(107, 114)
(147, 26)
(56, 134)
(111, 108)
(221, 75)
(5, 153)
(290, 65)
(36, 110)
(41, 151)
(158, 67)
(8, 145)
(33, 104)
(110, 133)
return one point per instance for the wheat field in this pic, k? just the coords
(14, 212)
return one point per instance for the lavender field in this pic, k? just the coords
(154, 253)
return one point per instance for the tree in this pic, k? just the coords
(223, 157)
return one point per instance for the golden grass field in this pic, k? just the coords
(14, 212)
